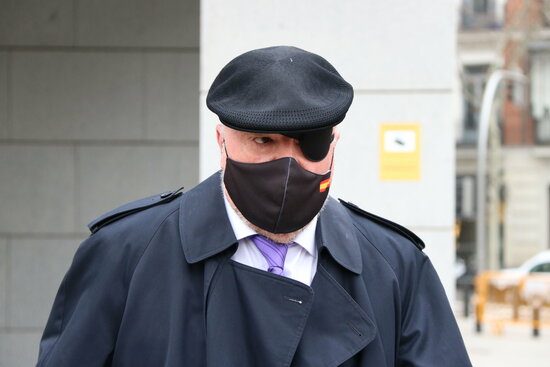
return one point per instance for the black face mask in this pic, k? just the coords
(278, 196)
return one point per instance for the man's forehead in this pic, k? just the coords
(242, 133)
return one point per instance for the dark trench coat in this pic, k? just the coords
(154, 286)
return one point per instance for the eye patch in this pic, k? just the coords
(314, 144)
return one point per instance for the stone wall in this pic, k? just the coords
(98, 107)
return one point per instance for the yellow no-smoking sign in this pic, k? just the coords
(399, 151)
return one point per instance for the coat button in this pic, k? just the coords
(164, 195)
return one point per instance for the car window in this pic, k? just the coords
(541, 268)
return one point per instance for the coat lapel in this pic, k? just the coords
(205, 230)
(254, 318)
(337, 327)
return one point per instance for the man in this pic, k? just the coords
(256, 266)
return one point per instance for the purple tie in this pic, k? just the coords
(273, 252)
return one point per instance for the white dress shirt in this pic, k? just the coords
(301, 258)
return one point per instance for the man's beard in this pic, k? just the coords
(276, 237)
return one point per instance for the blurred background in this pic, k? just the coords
(102, 103)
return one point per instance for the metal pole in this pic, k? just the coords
(482, 137)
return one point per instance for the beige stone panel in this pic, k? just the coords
(427, 202)
(172, 96)
(3, 95)
(210, 151)
(3, 282)
(112, 176)
(167, 23)
(77, 95)
(36, 22)
(375, 45)
(37, 268)
(19, 349)
(439, 248)
(37, 190)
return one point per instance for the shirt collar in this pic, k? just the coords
(205, 229)
(240, 228)
(306, 237)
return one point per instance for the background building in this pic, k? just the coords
(514, 35)
(102, 103)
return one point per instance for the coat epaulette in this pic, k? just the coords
(387, 223)
(133, 207)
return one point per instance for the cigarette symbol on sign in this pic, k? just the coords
(400, 141)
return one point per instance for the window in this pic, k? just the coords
(482, 14)
(541, 268)
(475, 77)
(481, 6)
(540, 94)
(546, 12)
(465, 197)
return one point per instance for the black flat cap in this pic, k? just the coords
(283, 90)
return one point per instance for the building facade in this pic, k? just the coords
(512, 35)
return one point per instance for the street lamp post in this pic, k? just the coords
(482, 139)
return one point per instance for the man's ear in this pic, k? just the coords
(219, 138)
(336, 134)
(219, 135)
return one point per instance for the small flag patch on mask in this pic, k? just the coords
(324, 185)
